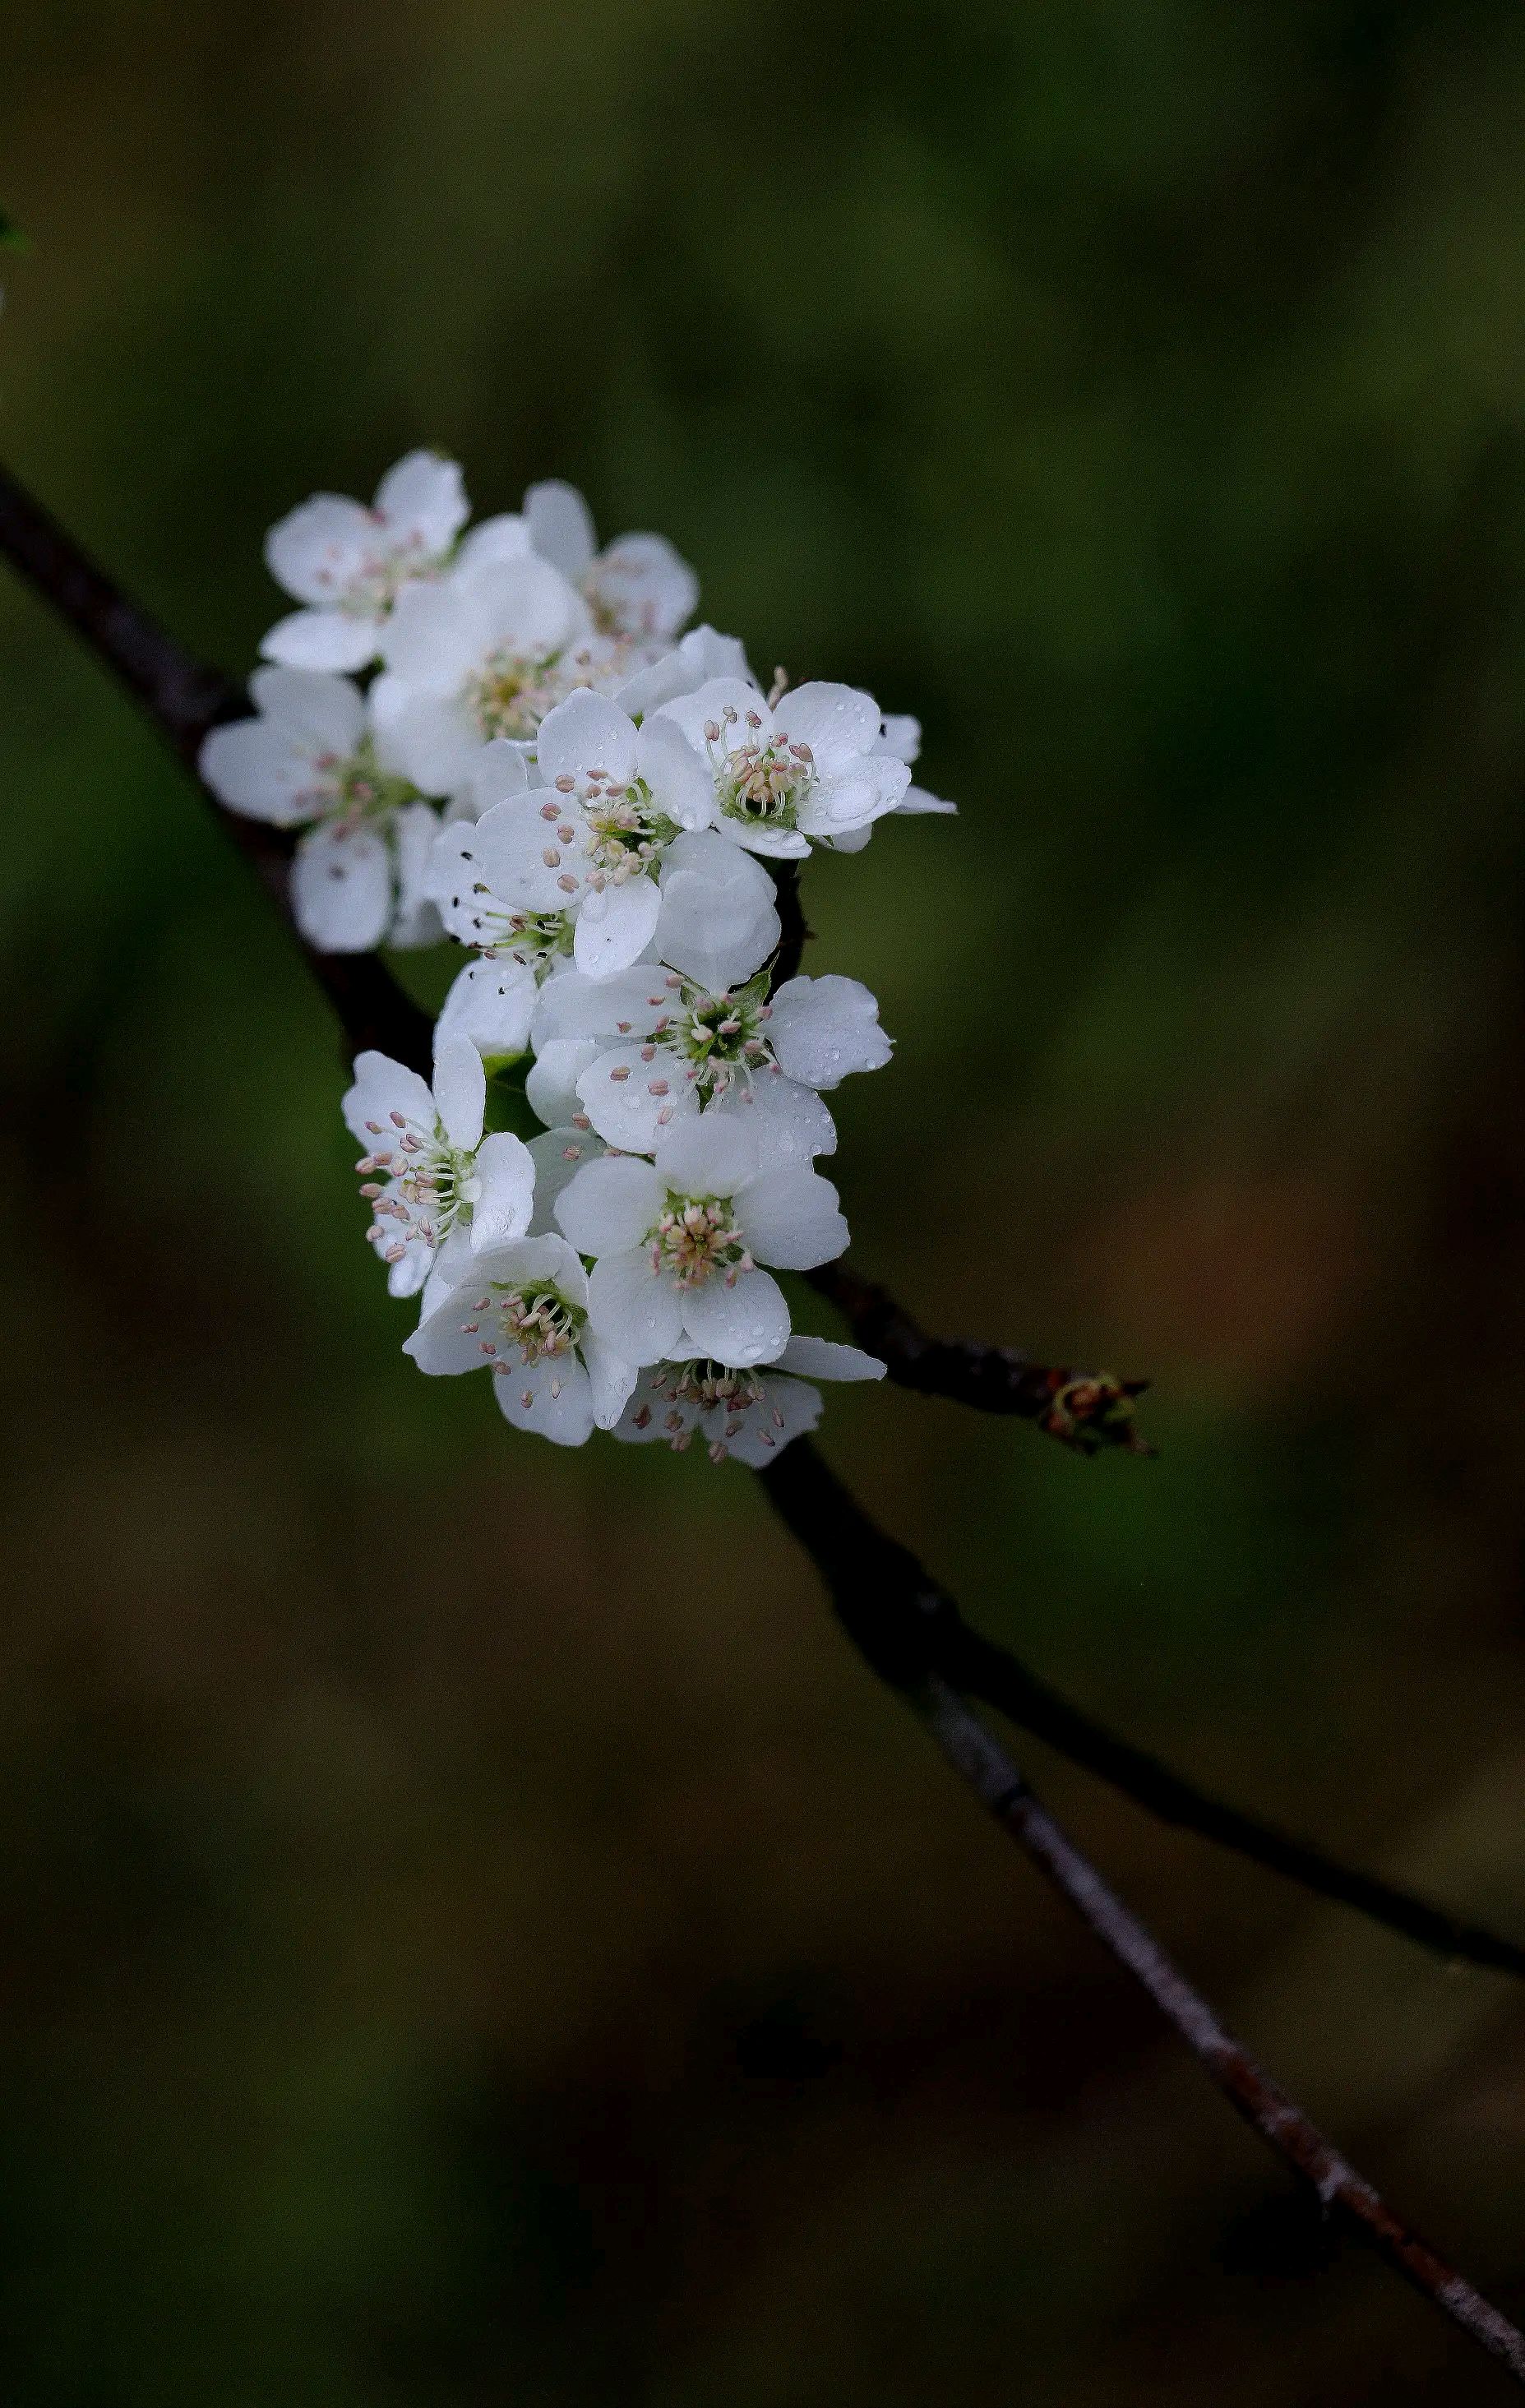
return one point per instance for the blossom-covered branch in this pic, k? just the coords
(908, 1629)
(585, 1169)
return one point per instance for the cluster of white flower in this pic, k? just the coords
(503, 735)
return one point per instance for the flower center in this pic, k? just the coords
(696, 1238)
(759, 779)
(354, 790)
(534, 1321)
(622, 828)
(428, 1186)
(510, 694)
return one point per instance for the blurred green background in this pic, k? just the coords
(471, 1930)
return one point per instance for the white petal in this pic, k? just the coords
(786, 1122)
(624, 1109)
(438, 634)
(560, 526)
(712, 1155)
(824, 1028)
(489, 1004)
(610, 1205)
(452, 1264)
(544, 1257)
(707, 706)
(559, 1393)
(317, 550)
(719, 919)
(525, 606)
(611, 1379)
(558, 1156)
(853, 798)
(496, 772)
(682, 784)
(407, 1275)
(742, 1325)
(916, 801)
(614, 927)
(441, 1344)
(253, 767)
(424, 498)
(381, 1088)
(633, 1309)
(323, 640)
(900, 735)
(551, 1082)
(460, 1090)
(837, 721)
(320, 713)
(790, 1218)
(774, 843)
(430, 738)
(822, 1358)
(505, 1201)
(503, 537)
(586, 732)
(342, 888)
(648, 1418)
(753, 1434)
(574, 1005)
(507, 847)
(644, 586)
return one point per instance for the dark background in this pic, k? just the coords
(471, 1931)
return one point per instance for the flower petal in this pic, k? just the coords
(560, 526)
(323, 640)
(786, 1122)
(586, 732)
(632, 1307)
(342, 888)
(719, 919)
(381, 1088)
(838, 722)
(610, 1205)
(573, 1005)
(489, 1004)
(624, 1096)
(551, 1080)
(423, 502)
(460, 1090)
(611, 1379)
(822, 1029)
(643, 587)
(790, 1218)
(753, 1434)
(712, 1155)
(615, 925)
(558, 1156)
(505, 1200)
(822, 1358)
(554, 1397)
(318, 549)
(680, 779)
(739, 1326)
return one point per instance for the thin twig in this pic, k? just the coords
(892, 1610)
(886, 1601)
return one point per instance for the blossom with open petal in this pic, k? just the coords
(680, 1242)
(573, 864)
(749, 1415)
(310, 758)
(654, 1047)
(900, 740)
(781, 773)
(638, 587)
(436, 1187)
(482, 655)
(521, 1311)
(348, 563)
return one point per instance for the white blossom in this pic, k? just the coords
(637, 588)
(436, 1186)
(781, 773)
(521, 1311)
(652, 1047)
(483, 653)
(349, 564)
(748, 1414)
(310, 758)
(680, 1243)
(572, 865)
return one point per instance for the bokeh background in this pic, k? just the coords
(471, 1931)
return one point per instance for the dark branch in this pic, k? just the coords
(184, 700)
(1084, 1409)
(895, 1615)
